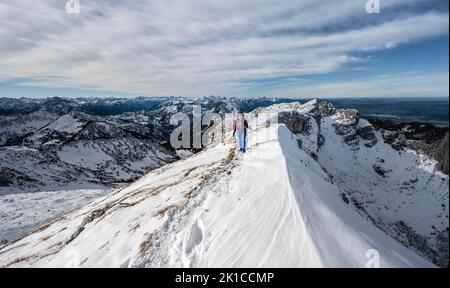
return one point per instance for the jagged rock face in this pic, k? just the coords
(294, 121)
(345, 125)
(347, 117)
(367, 132)
(343, 129)
(326, 109)
(441, 155)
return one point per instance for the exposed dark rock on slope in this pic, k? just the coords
(422, 137)
(296, 122)
(441, 155)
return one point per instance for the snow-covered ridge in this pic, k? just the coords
(283, 204)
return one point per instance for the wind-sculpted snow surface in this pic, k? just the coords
(275, 206)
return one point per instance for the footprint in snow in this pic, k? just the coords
(84, 261)
(103, 246)
(195, 238)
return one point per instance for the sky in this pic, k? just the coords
(251, 48)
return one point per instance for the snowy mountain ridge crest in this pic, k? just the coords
(319, 187)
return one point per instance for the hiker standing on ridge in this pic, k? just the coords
(240, 126)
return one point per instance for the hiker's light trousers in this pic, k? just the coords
(242, 136)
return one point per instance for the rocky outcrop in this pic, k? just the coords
(367, 132)
(380, 170)
(395, 139)
(419, 146)
(346, 122)
(441, 155)
(326, 109)
(352, 139)
(347, 117)
(4, 181)
(295, 121)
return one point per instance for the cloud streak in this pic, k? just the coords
(395, 85)
(198, 47)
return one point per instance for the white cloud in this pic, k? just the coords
(196, 47)
(409, 84)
